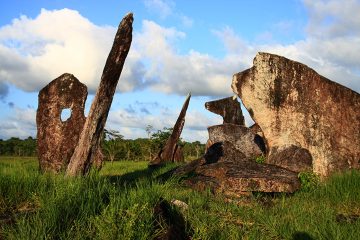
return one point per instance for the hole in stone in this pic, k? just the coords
(65, 114)
(248, 119)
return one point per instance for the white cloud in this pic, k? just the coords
(171, 72)
(333, 18)
(161, 7)
(21, 123)
(35, 51)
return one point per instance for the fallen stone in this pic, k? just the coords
(295, 105)
(171, 152)
(291, 157)
(229, 108)
(226, 170)
(241, 137)
(231, 179)
(57, 139)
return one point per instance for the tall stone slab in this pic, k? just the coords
(296, 106)
(57, 139)
(87, 150)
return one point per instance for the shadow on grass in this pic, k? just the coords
(150, 174)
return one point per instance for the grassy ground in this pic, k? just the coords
(118, 202)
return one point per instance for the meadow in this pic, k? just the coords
(118, 203)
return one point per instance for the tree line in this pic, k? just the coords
(114, 146)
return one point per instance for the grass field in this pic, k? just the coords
(118, 202)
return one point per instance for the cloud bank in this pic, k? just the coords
(33, 52)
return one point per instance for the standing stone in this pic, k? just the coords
(88, 147)
(294, 105)
(229, 108)
(57, 139)
(240, 136)
(171, 150)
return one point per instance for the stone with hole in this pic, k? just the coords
(57, 138)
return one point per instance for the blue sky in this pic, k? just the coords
(178, 47)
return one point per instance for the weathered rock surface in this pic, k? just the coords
(295, 105)
(171, 150)
(229, 108)
(226, 170)
(56, 140)
(241, 137)
(291, 157)
(87, 149)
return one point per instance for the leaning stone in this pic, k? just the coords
(295, 105)
(57, 139)
(171, 151)
(87, 149)
(241, 137)
(229, 108)
(291, 157)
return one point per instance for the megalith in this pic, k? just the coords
(241, 137)
(295, 106)
(229, 108)
(88, 148)
(57, 139)
(226, 170)
(172, 152)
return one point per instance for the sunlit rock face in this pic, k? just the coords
(58, 138)
(296, 106)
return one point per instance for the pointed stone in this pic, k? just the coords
(171, 148)
(88, 147)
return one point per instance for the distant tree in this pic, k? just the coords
(198, 148)
(113, 144)
(159, 138)
(149, 129)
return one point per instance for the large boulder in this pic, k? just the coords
(294, 105)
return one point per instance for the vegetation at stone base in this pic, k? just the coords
(118, 201)
(309, 180)
(260, 159)
(114, 146)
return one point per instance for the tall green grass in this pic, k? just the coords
(118, 202)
